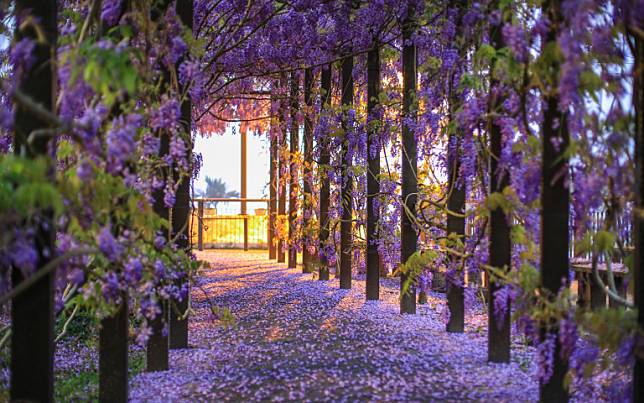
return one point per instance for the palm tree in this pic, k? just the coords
(216, 188)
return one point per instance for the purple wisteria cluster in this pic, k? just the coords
(134, 84)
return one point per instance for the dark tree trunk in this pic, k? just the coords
(638, 101)
(281, 204)
(32, 311)
(500, 252)
(346, 227)
(307, 197)
(272, 206)
(408, 236)
(373, 180)
(113, 355)
(181, 209)
(325, 186)
(555, 200)
(294, 187)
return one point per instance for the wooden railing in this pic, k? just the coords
(243, 215)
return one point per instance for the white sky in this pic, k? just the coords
(222, 159)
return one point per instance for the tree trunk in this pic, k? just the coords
(346, 227)
(32, 311)
(555, 199)
(325, 186)
(500, 252)
(408, 236)
(373, 179)
(294, 182)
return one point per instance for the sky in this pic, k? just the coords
(222, 159)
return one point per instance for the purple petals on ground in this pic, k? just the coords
(298, 339)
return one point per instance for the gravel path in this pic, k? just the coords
(299, 339)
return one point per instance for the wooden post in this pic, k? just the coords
(555, 204)
(307, 207)
(181, 209)
(456, 225)
(281, 205)
(113, 330)
(244, 178)
(638, 220)
(294, 187)
(346, 226)
(409, 188)
(455, 277)
(268, 228)
(32, 311)
(200, 225)
(157, 351)
(325, 186)
(158, 343)
(113, 356)
(373, 179)
(178, 325)
(245, 232)
(273, 170)
(500, 252)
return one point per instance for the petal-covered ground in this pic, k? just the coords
(299, 339)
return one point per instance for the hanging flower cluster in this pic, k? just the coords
(121, 148)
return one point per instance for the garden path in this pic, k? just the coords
(298, 339)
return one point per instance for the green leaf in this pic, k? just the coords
(496, 200)
(584, 245)
(485, 54)
(65, 149)
(32, 196)
(591, 82)
(605, 241)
